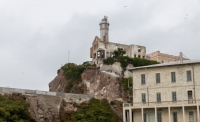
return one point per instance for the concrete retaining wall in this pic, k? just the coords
(116, 68)
(37, 92)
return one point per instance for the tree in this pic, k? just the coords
(119, 52)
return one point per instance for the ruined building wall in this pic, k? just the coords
(101, 50)
(162, 58)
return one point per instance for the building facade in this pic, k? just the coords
(102, 48)
(168, 92)
(162, 58)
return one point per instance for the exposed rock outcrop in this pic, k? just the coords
(59, 82)
(115, 68)
(99, 83)
(46, 108)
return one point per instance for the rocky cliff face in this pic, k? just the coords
(98, 83)
(59, 82)
(45, 108)
(101, 83)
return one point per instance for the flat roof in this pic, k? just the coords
(167, 64)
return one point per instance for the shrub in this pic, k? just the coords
(72, 71)
(119, 52)
(125, 60)
(14, 110)
(94, 111)
(109, 61)
(127, 84)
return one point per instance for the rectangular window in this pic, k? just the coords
(173, 76)
(145, 120)
(189, 94)
(159, 117)
(143, 97)
(142, 78)
(158, 97)
(191, 116)
(157, 77)
(173, 96)
(189, 77)
(175, 119)
(190, 98)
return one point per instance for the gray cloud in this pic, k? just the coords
(35, 36)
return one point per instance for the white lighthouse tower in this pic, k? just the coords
(104, 29)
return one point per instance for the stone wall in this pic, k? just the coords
(46, 106)
(109, 47)
(115, 68)
(37, 92)
(162, 58)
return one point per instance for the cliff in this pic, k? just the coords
(46, 106)
(71, 107)
(58, 84)
(94, 82)
(106, 82)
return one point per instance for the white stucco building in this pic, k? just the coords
(168, 92)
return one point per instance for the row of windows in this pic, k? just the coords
(159, 117)
(173, 77)
(175, 116)
(174, 97)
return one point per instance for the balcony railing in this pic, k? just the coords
(163, 103)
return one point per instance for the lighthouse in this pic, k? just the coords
(104, 29)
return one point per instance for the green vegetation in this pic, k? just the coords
(127, 85)
(125, 60)
(73, 74)
(119, 52)
(87, 64)
(13, 110)
(94, 111)
(109, 61)
(73, 71)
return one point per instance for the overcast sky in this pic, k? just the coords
(36, 35)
